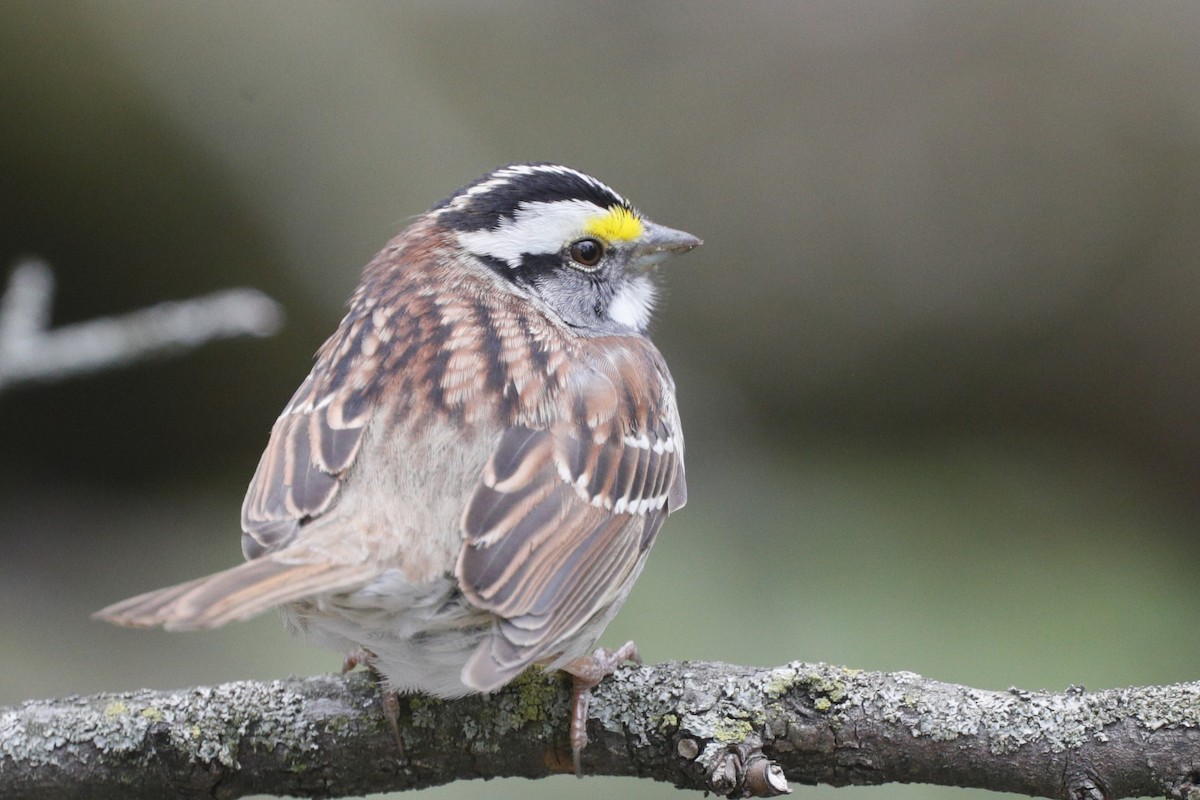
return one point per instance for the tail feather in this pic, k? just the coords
(235, 594)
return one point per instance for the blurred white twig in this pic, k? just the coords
(30, 351)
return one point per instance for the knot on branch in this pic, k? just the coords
(741, 770)
(1083, 786)
(1186, 789)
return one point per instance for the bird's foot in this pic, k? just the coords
(586, 674)
(389, 700)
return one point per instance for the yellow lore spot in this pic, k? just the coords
(618, 225)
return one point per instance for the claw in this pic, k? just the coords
(586, 674)
(391, 709)
(389, 700)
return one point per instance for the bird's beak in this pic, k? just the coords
(657, 242)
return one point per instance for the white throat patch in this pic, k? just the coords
(633, 303)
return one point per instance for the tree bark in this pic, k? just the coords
(735, 731)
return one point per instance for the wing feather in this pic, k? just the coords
(313, 444)
(561, 520)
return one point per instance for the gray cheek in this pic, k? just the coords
(575, 298)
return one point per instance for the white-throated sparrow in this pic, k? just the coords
(470, 478)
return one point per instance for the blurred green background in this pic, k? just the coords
(937, 359)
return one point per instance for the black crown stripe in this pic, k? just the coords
(517, 184)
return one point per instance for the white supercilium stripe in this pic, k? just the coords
(535, 228)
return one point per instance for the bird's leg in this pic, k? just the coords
(586, 674)
(389, 700)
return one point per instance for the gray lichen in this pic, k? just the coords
(208, 723)
(1011, 720)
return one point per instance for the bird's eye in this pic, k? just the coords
(587, 252)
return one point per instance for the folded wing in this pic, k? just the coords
(560, 522)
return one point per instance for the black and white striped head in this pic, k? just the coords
(566, 239)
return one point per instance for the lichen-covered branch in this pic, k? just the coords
(31, 351)
(733, 730)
